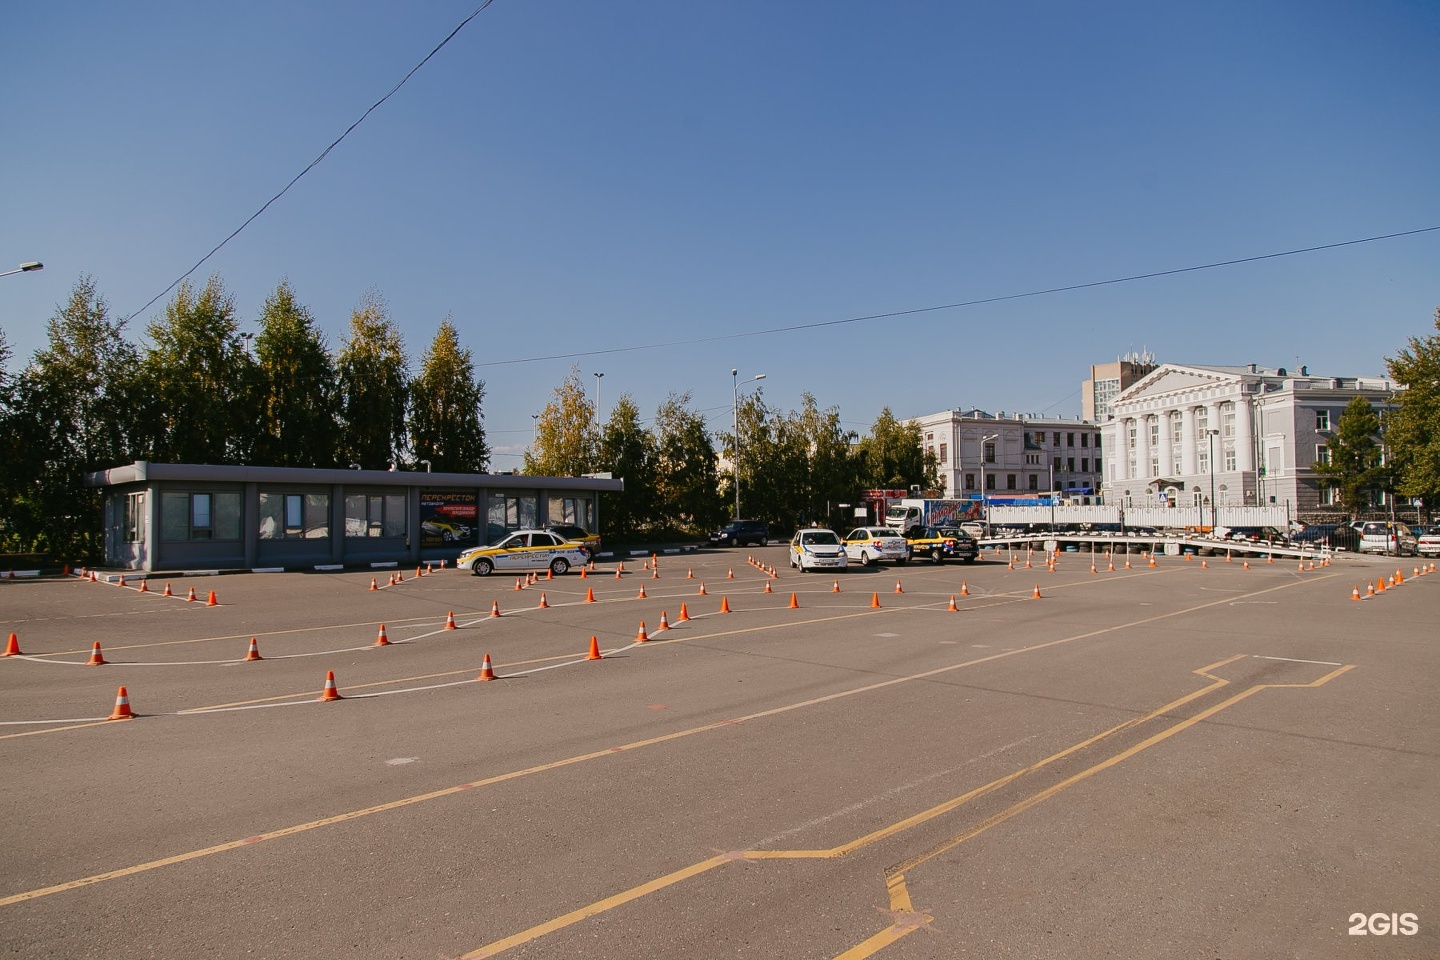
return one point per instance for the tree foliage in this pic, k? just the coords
(627, 451)
(565, 434)
(892, 455)
(294, 387)
(1354, 467)
(685, 468)
(374, 388)
(446, 425)
(1412, 431)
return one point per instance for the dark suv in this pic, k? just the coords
(737, 532)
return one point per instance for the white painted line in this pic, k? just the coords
(1322, 663)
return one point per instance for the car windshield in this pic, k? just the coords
(813, 537)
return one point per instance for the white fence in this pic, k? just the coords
(1159, 517)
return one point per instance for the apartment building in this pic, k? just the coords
(1012, 456)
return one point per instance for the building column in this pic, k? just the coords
(1244, 434)
(1118, 449)
(1187, 442)
(1142, 448)
(1166, 441)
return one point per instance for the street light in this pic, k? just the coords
(1211, 434)
(735, 386)
(29, 267)
(597, 397)
(983, 441)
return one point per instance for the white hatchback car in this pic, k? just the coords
(1378, 536)
(816, 548)
(867, 545)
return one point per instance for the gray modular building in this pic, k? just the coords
(184, 516)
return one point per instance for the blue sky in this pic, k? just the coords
(576, 177)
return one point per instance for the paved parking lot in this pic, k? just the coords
(1191, 759)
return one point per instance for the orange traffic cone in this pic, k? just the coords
(119, 583)
(618, 572)
(583, 574)
(1245, 565)
(549, 574)
(191, 597)
(542, 604)
(1369, 589)
(1380, 585)
(1036, 594)
(589, 594)
(122, 706)
(144, 586)
(1152, 559)
(1399, 577)
(767, 587)
(898, 588)
(519, 583)
(12, 648)
(212, 602)
(664, 623)
(330, 692)
(381, 640)
(794, 602)
(655, 574)
(254, 652)
(495, 608)
(374, 584)
(836, 587)
(964, 589)
(96, 658)
(399, 577)
(724, 604)
(167, 591)
(450, 621)
(1204, 565)
(701, 591)
(1355, 592)
(684, 614)
(419, 572)
(640, 635)
(487, 671)
(594, 653)
(641, 594)
(952, 608)
(620, 567)
(874, 601)
(731, 574)
(689, 574)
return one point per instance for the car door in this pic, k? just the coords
(511, 553)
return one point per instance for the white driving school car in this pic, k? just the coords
(522, 551)
(870, 544)
(816, 548)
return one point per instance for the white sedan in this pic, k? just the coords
(868, 545)
(524, 550)
(816, 548)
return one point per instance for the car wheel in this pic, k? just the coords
(937, 555)
(559, 566)
(481, 567)
(733, 542)
(764, 541)
(864, 559)
(903, 560)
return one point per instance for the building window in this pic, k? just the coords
(375, 515)
(1084, 464)
(1202, 459)
(199, 516)
(294, 516)
(1010, 481)
(1032, 459)
(1202, 420)
(1322, 420)
(1154, 433)
(1154, 464)
(1227, 420)
(929, 437)
(1069, 439)
(1130, 432)
(989, 481)
(944, 453)
(989, 453)
(1097, 444)
(1322, 453)
(134, 517)
(1084, 439)
(969, 481)
(1034, 481)
(1230, 461)
(1058, 468)
(1070, 464)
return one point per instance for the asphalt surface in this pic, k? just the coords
(1195, 759)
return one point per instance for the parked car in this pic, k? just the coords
(868, 545)
(979, 529)
(524, 550)
(1427, 544)
(1330, 535)
(590, 541)
(1382, 536)
(738, 532)
(815, 548)
(943, 543)
(1253, 534)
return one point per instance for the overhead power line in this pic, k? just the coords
(820, 324)
(313, 163)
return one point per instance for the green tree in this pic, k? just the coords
(294, 387)
(627, 451)
(565, 436)
(446, 422)
(1354, 465)
(374, 388)
(65, 417)
(832, 475)
(1412, 431)
(892, 455)
(685, 468)
(195, 381)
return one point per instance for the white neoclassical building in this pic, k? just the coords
(1191, 434)
(1012, 456)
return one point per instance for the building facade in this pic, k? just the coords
(1017, 456)
(1189, 434)
(1107, 380)
(176, 516)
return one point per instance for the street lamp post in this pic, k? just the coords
(983, 441)
(597, 397)
(735, 386)
(1211, 434)
(29, 267)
